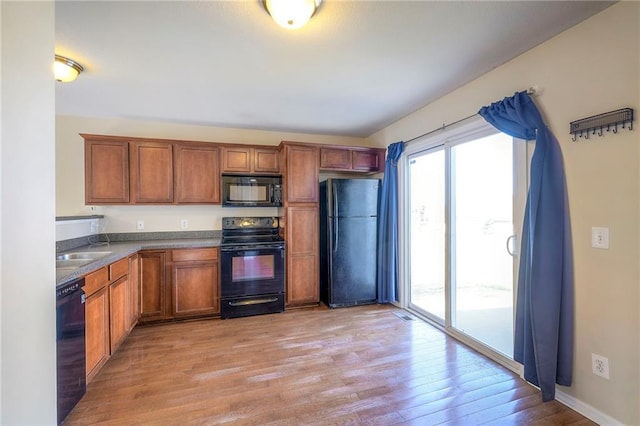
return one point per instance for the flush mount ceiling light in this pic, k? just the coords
(291, 14)
(66, 69)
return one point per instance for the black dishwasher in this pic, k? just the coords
(70, 346)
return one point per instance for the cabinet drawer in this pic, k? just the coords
(95, 281)
(118, 269)
(183, 255)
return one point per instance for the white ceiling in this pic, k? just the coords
(355, 68)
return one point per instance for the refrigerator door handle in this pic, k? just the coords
(335, 234)
(335, 199)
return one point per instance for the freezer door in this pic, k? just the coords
(352, 261)
(353, 197)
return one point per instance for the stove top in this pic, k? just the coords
(250, 231)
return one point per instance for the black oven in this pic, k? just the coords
(251, 191)
(252, 267)
(252, 270)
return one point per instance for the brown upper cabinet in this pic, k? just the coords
(250, 159)
(354, 159)
(197, 176)
(151, 172)
(106, 171)
(121, 170)
(126, 170)
(301, 173)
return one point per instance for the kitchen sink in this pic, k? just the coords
(78, 259)
(86, 255)
(72, 263)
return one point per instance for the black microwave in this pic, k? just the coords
(251, 191)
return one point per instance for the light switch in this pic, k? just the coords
(600, 238)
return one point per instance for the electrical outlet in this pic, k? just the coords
(184, 224)
(600, 238)
(600, 366)
(140, 225)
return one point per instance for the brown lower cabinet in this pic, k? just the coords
(107, 307)
(149, 286)
(97, 331)
(153, 286)
(194, 282)
(179, 283)
(301, 234)
(134, 283)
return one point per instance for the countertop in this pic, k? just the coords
(120, 250)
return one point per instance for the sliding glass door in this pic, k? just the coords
(462, 196)
(481, 226)
(427, 236)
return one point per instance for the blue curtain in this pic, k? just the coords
(388, 227)
(544, 306)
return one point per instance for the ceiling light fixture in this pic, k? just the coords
(66, 69)
(291, 14)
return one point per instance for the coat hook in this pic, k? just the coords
(586, 134)
(600, 131)
(573, 138)
(615, 128)
(631, 125)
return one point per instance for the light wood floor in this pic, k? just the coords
(360, 366)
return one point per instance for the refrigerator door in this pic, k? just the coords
(352, 261)
(353, 197)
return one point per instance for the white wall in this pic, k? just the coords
(70, 170)
(590, 69)
(27, 215)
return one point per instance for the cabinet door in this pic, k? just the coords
(195, 288)
(335, 158)
(106, 166)
(134, 299)
(153, 291)
(119, 320)
(151, 172)
(236, 159)
(266, 160)
(371, 160)
(197, 173)
(97, 331)
(302, 174)
(302, 256)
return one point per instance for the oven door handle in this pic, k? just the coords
(239, 249)
(254, 301)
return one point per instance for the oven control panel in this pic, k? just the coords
(249, 222)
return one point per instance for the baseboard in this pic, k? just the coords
(586, 410)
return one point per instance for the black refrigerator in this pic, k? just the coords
(348, 241)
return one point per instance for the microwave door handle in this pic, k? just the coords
(271, 193)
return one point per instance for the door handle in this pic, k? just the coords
(515, 250)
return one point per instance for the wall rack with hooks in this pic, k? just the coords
(597, 124)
